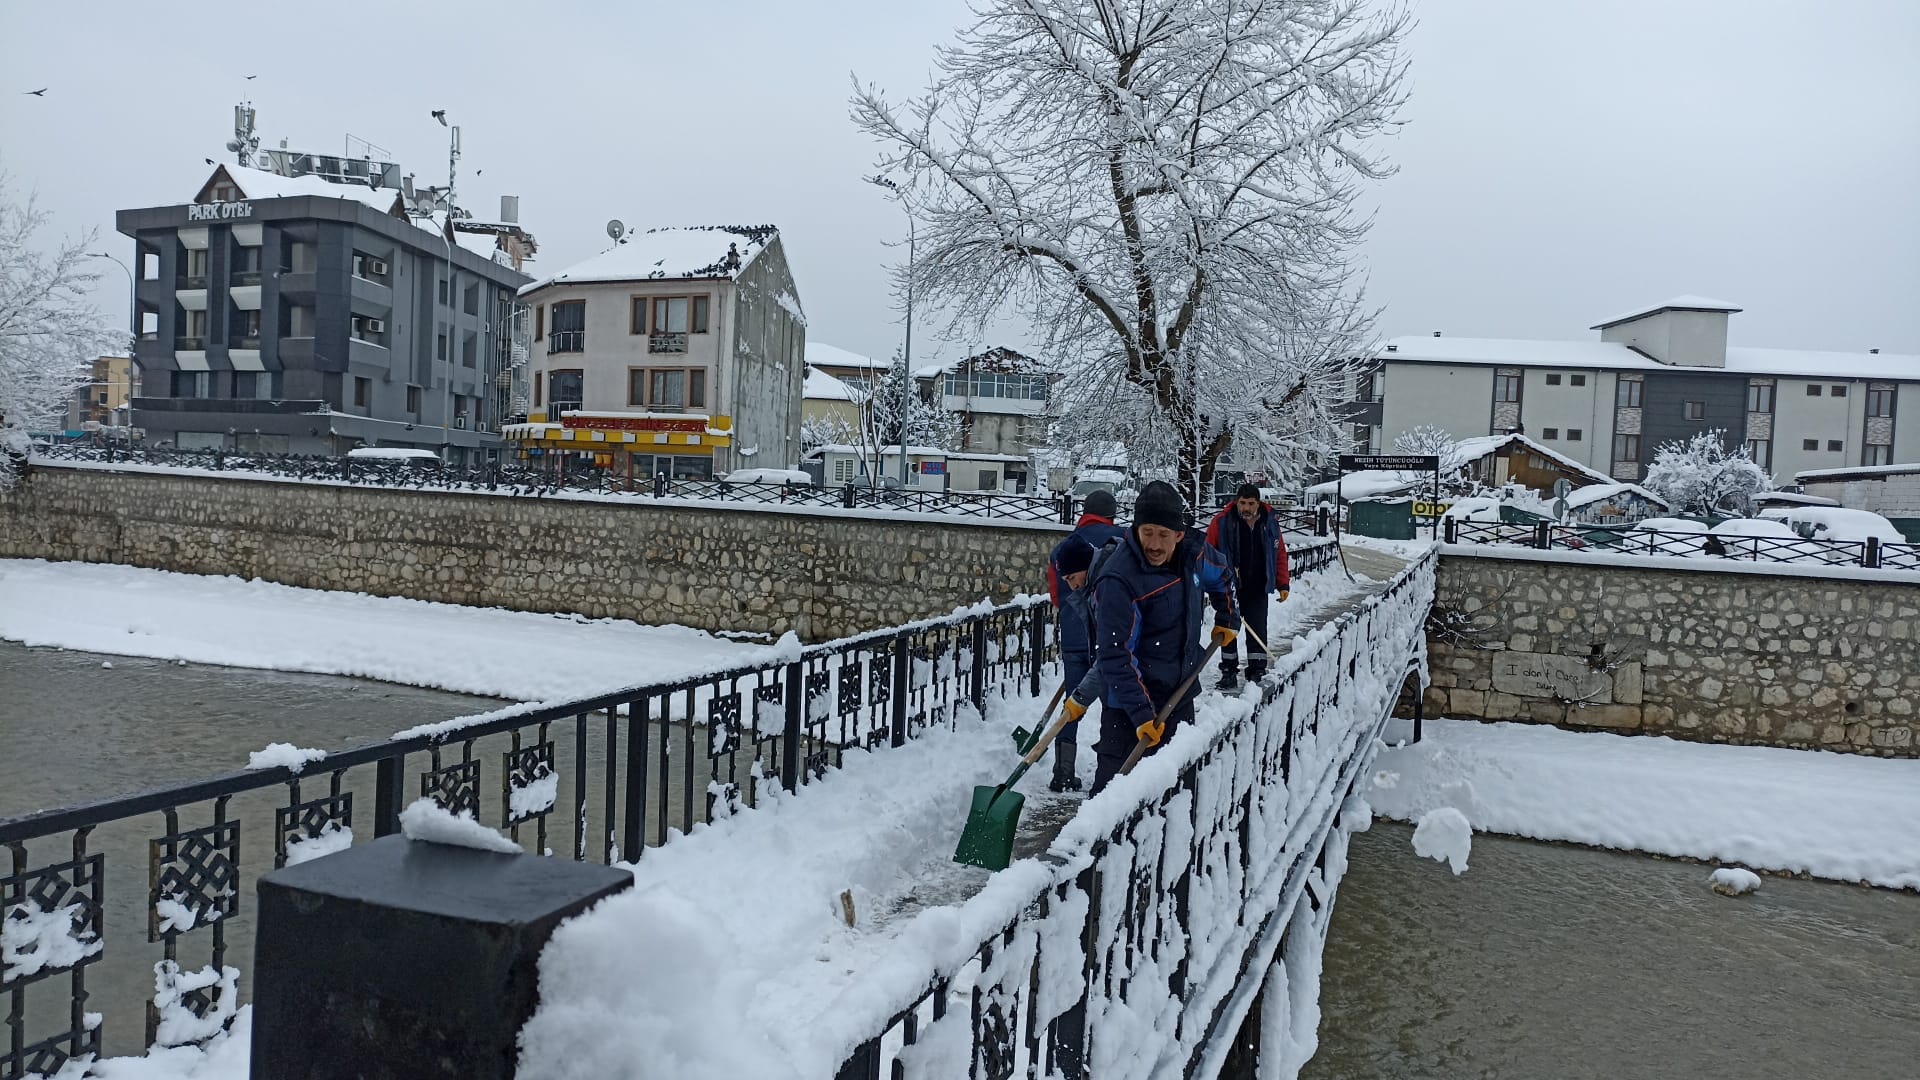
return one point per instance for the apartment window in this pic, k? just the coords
(190, 384)
(538, 379)
(1577, 380)
(1550, 433)
(1761, 451)
(470, 302)
(1809, 444)
(1506, 388)
(445, 293)
(362, 392)
(1626, 448)
(569, 327)
(440, 347)
(1553, 378)
(369, 267)
(257, 385)
(1879, 403)
(539, 322)
(1837, 391)
(1629, 393)
(195, 269)
(1834, 446)
(674, 317)
(987, 384)
(470, 350)
(1813, 389)
(1695, 410)
(667, 389)
(413, 400)
(1760, 397)
(250, 328)
(843, 469)
(1573, 434)
(563, 390)
(1879, 455)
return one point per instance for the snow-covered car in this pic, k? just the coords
(1665, 536)
(1760, 539)
(396, 455)
(1481, 510)
(1836, 523)
(790, 477)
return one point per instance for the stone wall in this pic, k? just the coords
(1718, 655)
(820, 573)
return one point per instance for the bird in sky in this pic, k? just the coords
(42, 92)
(250, 78)
(440, 115)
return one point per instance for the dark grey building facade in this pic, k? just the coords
(299, 320)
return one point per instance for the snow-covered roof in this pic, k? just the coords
(485, 245)
(1792, 498)
(889, 449)
(824, 387)
(1861, 472)
(825, 355)
(1467, 451)
(1368, 483)
(1594, 493)
(997, 359)
(955, 455)
(260, 184)
(1601, 355)
(698, 251)
(1679, 303)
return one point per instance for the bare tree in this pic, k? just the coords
(1165, 189)
(48, 330)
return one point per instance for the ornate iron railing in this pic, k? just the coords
(1626, 540)
(601, 779)
(1168, 902)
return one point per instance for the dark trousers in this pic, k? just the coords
(1107, 763)
(1253, 608)
(1065, 744)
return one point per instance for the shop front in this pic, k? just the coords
(631, 447)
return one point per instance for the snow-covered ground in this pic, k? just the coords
(518, 655)
(1837, 816)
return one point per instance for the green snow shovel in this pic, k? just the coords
(987, 840)
(1022, 738)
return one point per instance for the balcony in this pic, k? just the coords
(251, 341)
(667, 343)
(192, 281)
(189, 344)
(557, 409)
(246, 277)
(252, 406)
(566, 341)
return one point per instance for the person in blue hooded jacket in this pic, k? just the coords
(1147, 624)
(1066, 581)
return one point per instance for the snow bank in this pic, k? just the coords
(1444, 835)
(1834, 816)
(1733, 880)
(426, 820)
(523, 656)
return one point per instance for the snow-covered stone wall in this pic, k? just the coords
(714, 566)
(1827, 659)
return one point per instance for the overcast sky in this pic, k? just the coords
(1561, 163)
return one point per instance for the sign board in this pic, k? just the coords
(634, 423)
(933, 468)
(1427, 508)
(1421, 462)
(219, 211)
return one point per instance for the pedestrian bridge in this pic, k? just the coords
(789, 827)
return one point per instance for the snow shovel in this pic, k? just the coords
(987, 839)
(1022, 738)
(1153, 730)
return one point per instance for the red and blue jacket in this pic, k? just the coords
(1147, 622)
(1240, 545)
(1097, 531)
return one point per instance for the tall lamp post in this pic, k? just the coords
(906, 359)
(133, 332)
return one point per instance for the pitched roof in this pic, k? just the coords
(822, 354)
(694, 252)
(260, 184)
(824, 387)
(1600, 355)
(1688, 302)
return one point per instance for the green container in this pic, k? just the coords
(1383, 520)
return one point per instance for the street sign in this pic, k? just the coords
(1422, 462)
(1562, 488)
(1427, 508)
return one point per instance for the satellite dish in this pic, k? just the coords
(616, 228)
(233, 145)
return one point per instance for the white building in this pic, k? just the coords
(1892, 491)
(1004, 399)
(1655, 375)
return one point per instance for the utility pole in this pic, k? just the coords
(906, 359)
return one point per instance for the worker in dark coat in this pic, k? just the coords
(1094, 531)
(1246, 532)
(1147, 624)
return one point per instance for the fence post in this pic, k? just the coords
(634, 812)
(1036, 649)
(847, 497)
(659, 485)
(389, 792)
(1320, 520)
(1870, 557)
(790, 737)
(1542, 535)
(1451, 532)
(1066, 508)
(977, 675)
(902, 666)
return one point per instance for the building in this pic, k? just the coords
(102, 400)
(678, 351)
(929, 468)
(1489, 461)
(859, 372)
(1892, 491)
(1655, 375)
(1004, 399)
(830, 409)
(302, 314)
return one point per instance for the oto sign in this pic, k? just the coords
(1427, 508)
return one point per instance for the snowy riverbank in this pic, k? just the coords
(1836, 816)
(522, 656)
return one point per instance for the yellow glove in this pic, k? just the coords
(1074, 710)
(1283, 596)
(1151, 732)
(1224, 636)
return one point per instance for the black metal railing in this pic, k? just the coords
(567, 341)
(1626, 540)
(600, 778)
(1188, 892)
(1900, 556)
(667, 343)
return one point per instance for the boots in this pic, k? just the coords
(1064, 778)
(1256, 671)
(1229, 679)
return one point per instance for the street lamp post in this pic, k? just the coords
(906, 359)
(133, 332)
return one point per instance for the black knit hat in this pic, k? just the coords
(1101, 504)
(1159, 504)
(1076, 555)
(1246, 491)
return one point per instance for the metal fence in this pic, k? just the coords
(1601, 539)
(1186, 898)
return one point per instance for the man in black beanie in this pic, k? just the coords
(1147, 612)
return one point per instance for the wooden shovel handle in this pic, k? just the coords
(1046, 737)
(1140, 748)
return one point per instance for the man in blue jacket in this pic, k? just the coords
(1147, 611)
(1246, 532)
(1094, 530)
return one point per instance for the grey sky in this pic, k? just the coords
(1562, 163)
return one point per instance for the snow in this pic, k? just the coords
(1671, 525)
(825, 355)
(1733, 880)
(536, 797)
(260, 184)
(1444, 835)
(331, 839)
(522, 656)
(1754, 527)
(429, 822)
(769, 476)
(1594, 493)
(1596, 557)
(33, 939)
(284, 755)
(667, 254)
(1840, 523)
(1603, 355)
(1836, 816)
(178, 1026)
(824, 387)
(1475, 509)
(1682, 303)
(225, 1057)
(391, 453)
(1858, 471)
(790, 304)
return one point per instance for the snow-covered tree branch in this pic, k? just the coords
(1701, 476)
(1166, 190)
(48, 330)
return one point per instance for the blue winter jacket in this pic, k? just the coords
(1229, 536)
(1147, 622)
(1097, 531)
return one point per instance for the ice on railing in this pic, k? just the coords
(33, 939)
(178, 1024)
(536, 796)
(335, 837)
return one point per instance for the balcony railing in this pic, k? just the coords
(193, 281)
(667, 343)
(567, 341)
(189, 344)
(246, 277)
(251, 341)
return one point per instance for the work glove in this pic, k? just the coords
(1283, 596)
(1224, 636)
(1151, 732)
(1074, 710)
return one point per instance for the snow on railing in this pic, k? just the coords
(1705, 544)
(1186, 877)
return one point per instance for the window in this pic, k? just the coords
(249, 329)
(362, 392)
(1760, 397)
(257, 385)
(470, 303)
(444, 293)
(843, 469)
(1879, 455)
(369, 329)
(1626, 447)
(1761, 451)
(190, 384)
(1550, 433)
(196, 269)
(1553, 378)
(538, 379)
(1573, 434)
(470, 349)
(563, 391)
(149, 266)
(370, 267)
(1628, 393)
(1695, 410)
(413, 400)
(667, 389)
(1577, 380)
(539, 322)
(569, 327)
(440, 347)
(1837, 391)
(1834, 446)
(1879, 403)
(1809, 444)
(986, 384)
(674, 317)
(1813, 389)
(1506, 388)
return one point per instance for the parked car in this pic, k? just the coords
(425, 460)
(1752, 538)
(1835, 523)
(789, 477)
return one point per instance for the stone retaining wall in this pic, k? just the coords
(822, 574)
(1779, 659)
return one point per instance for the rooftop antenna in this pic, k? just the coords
(244, 143)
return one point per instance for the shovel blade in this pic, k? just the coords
(987, 840)
(1023, 739)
